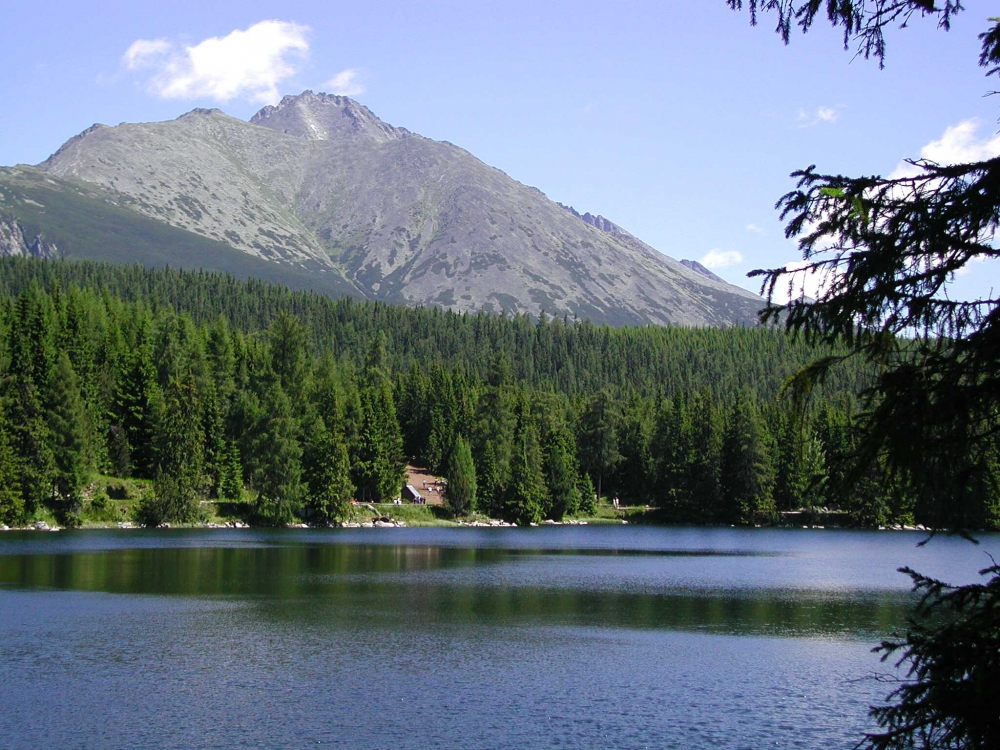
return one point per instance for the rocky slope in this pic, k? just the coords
(53, 217)
(318, 183)
(17, 241)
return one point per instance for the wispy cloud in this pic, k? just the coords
(819, 116)
(755, 229)
(143, 50)
(717, 258)
(959, 144)
(345, 83)
(247, 63)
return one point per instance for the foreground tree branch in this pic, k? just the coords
(886, 250)
(951, 655)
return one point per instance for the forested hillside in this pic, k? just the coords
(294, 403)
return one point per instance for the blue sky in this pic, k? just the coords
(676, 120)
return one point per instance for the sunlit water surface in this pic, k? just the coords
(566, 637)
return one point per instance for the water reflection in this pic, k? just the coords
(569, 638)
(427, 585)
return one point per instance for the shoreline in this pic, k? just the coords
(390, 523)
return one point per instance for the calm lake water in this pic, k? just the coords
(559, 637)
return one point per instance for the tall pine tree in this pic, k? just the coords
(461, 478)
(747, 467)
(70, 434)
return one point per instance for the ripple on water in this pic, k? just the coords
(589, 638)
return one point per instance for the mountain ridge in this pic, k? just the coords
(319, 182)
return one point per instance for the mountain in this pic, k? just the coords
(696, 266)
(57, 218)
(319, 187)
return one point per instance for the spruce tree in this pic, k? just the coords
(179, 449)
(132, 418)
(413, 410)
(747, 468)
(33, 346)
(442, 420)
(598, 436)
(799, 465)
(278, 477)
(326, 462)
(11, 502)
(439, 439)
(560, 468)
(635, 474)
(288, 342)
(588, 496)
(670, 449)
(231, 474)
(328, 476)
(30, 441)
(26, 389)
(461, 478)
(221, 359)
(213, 429)
(493, 437)
(930, 423)
(527, 494)
(69, 433)
(702, 499)
(378, 463)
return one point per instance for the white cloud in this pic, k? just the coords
(143, 51)
(345, 83)
(248, 63)
(717, 258)
(755, 229)
(818, 116)
(802, 283)
(959, 144)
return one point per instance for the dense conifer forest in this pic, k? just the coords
(293, 404)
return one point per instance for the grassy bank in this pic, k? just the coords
(111, 501)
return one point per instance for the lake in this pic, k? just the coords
(554, 637)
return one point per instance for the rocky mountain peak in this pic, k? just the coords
(95, 128)
(696, 266)
(201, 112)
(598, 222)
(324, 117)
(318, 186)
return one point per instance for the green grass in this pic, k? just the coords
(108, 501)
(417, 515)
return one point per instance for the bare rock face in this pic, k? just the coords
(15, 240)
(318, 182)
(324, 117)
(696, 266)
(598, 222)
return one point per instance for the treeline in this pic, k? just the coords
(219, 389)
(562, 355)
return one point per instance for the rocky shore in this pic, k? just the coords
(387, 522)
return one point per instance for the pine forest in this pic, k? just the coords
(289, 405)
